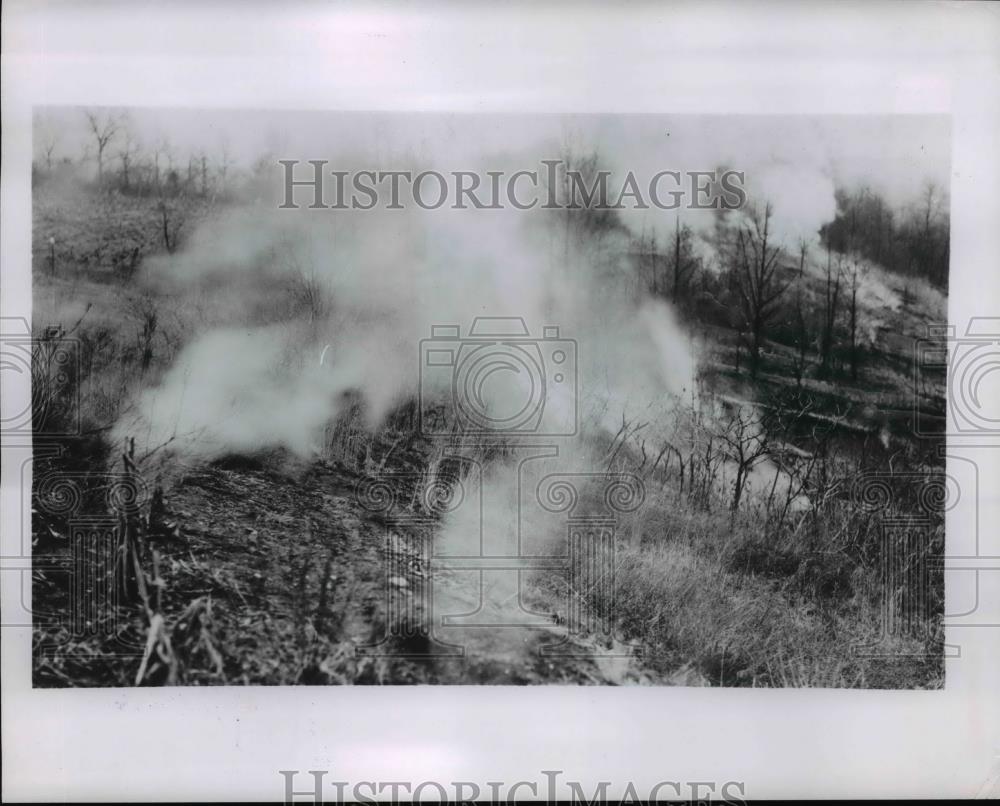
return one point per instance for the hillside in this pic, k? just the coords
(263, 567)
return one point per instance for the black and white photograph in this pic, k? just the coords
(460, 403)
(411, 398)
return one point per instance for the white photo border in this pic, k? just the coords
(730, 58)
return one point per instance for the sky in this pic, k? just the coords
(894, 153)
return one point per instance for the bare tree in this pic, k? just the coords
(103, 128)
(831, 300)
(933, 241)
(48, 143)
(801, 324)
(162, 157)
(931, 204)
(684, 261)
(855, 275)
(881, 221)
(203, 159)
(172, 221)
(189, 181)
(225, 163)
(757, 280)
(127, 154)
(803, 251)
(705, 458)
(170, 193)
(745, 444)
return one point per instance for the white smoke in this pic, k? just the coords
(301, 313)
(280, 289)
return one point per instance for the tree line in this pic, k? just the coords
(124, 163)
(807, 295)
(913, 241)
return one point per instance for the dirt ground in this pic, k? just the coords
(272, 572)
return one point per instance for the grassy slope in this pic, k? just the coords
(270, 572)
